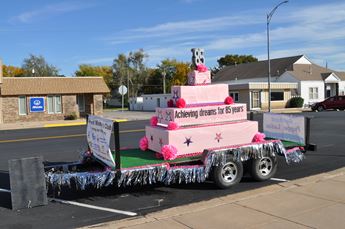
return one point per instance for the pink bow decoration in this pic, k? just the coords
(201, 68)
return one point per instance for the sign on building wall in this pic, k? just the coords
(98, 137)
(37, 104)
(284, 127)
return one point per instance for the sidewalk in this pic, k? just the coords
(312, 202)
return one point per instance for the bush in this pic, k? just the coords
(72, 116)
(295, 102)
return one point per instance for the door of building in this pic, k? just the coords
(332, 89)
(81, 102)
(255, 100)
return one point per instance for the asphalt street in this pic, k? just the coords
(65, 143)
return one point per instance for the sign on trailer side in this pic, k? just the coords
(98, 137)
(285, 127)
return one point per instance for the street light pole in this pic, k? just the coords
(164, 74)
(128, 103)
(269, 17)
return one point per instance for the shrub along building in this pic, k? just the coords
(49, 98)
(291, 77)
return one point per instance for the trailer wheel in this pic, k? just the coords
(228, 174)
(263, 168)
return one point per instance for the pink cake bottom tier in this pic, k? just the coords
(196, 139)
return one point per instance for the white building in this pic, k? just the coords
(150, 102)
(291, 76)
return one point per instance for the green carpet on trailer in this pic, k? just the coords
(288, 144)
(136, 157)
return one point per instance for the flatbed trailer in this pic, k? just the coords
(135, 167)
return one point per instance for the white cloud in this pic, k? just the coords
(49, 10)
(183, 28)
(237, 42)
(189, 1)
(315, 30)
(156, 54)
(101, 60)
(325, 13)
(202, 25)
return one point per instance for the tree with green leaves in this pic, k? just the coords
(131, 70)
(154, 81)
(91, 70)
(176, 72)
(229, 60)
(37, 66)
(138, 71)
(12, 71)
(120, 70)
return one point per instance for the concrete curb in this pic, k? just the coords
(76, 123)
(208, 204)
(64, 124)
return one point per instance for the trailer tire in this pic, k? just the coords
(264, 168)
(228, 174)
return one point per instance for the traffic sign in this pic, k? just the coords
(122, 90)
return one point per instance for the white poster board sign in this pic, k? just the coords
(98, 137)
(285, 127)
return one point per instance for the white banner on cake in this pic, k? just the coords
(98, 137)
(284, 127)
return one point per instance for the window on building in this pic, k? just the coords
(81, 102)
(235, 96)
(313, 93)
(158, 102)
(277, 95)
(22, 105)
(54, 104)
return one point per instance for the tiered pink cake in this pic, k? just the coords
(203, 116)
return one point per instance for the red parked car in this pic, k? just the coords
(334, 102)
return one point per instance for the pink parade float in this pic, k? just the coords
(201, 134)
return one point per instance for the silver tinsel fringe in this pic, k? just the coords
(142, 176)
(81, 179)
(163, 173)
(188, 174)
(294, 155)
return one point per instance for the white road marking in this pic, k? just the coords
(94, 207)
(278, 179)
(5, 190)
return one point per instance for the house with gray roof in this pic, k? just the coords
(290, 77)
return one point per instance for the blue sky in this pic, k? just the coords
(72, 32)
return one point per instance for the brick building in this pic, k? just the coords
(49, 98)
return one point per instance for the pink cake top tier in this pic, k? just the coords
(199, 78)
(205, 94)
(202, 114)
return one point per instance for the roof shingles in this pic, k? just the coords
(255, 69)
(52, 85)
(302, 72)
